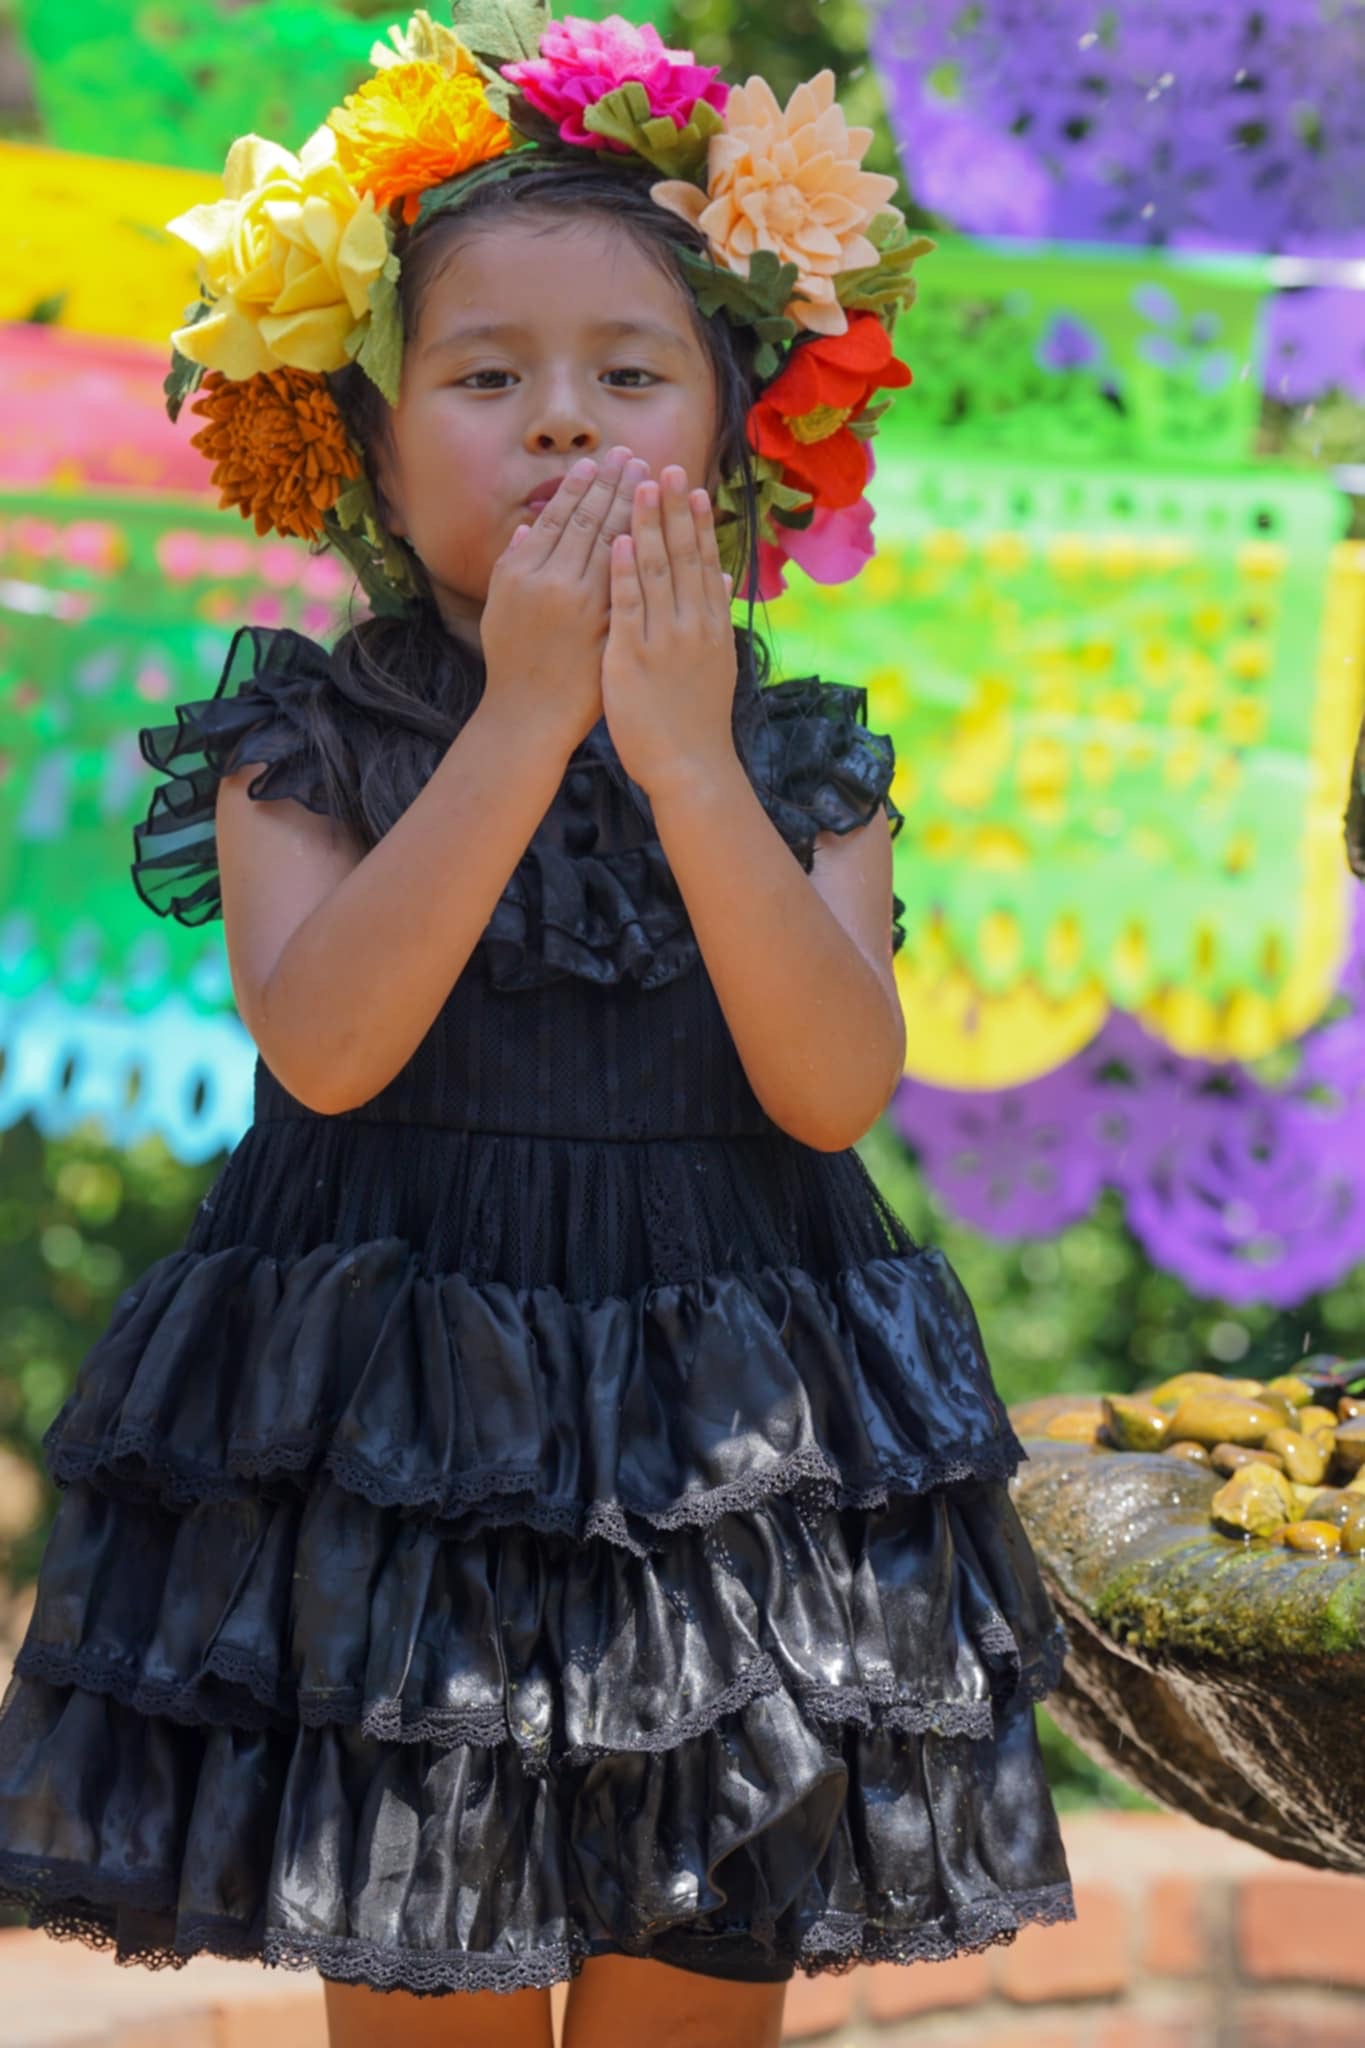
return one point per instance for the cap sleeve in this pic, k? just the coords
(821, 770)
(257, 713)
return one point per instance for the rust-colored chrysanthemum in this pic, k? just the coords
(413, 126)
(278, 446)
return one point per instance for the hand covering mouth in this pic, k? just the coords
(540, 494)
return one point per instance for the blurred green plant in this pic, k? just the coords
(1326, 434)
(79, 1220)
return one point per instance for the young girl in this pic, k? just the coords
(549, 1520)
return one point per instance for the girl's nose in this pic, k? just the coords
(576, 438)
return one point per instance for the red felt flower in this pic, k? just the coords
(801, 419)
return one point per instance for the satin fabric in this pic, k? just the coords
(546, 1511)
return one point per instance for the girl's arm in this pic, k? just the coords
(801, 963)
(341, 959)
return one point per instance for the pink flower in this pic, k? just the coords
(832, 549)
(581, 61)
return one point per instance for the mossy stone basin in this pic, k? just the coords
(1220, 1671)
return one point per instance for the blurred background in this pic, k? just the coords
(1115, 623)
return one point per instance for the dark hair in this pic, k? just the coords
(406, 682)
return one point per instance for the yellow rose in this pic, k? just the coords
(425, 41)
(289, 254)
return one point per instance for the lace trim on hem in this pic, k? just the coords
(49, 1664)
(878, 1703)
(180, 1484)
(755, 1681)
(832, 1945)
(839, 1942)
(364, 1962)
(883, 1706)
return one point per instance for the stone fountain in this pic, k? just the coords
(1204, 1541)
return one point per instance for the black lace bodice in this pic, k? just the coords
(585, 1009)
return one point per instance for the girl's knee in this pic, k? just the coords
(359, 2017)
(624, 1998)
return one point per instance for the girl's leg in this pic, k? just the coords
(622, 1998)
(360, 2018)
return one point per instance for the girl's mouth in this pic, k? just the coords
(542, 493)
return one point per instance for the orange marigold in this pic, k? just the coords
(278, 446)
(413, 126)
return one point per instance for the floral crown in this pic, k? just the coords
(298, 273)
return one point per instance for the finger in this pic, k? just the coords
(617, 519)
(651, 557)
(627, 598)
(708, 549)
(680, 538)
(517, 538)
(582, 527)
(554, 514)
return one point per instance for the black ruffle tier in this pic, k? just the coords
(479, 1549)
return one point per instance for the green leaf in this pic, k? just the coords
(498, 32)
(785, 498)
(501, 31)
(529, 121)
(185, 376)
(755, 301)
(380, 350)
(47, 311)
(453, 193)
(865, 423)
(500, 93)
(624, 116)
(352, 526)
(771, 496)
(764, 293)
(888, 283)
(767, 361)
(182, 378)
(730, 549)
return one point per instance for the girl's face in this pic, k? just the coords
(535, 345)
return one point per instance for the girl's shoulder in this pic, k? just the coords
(261, 710)
(816, 765)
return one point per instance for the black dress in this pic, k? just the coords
(548, 1510)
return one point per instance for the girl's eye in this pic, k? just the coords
(632, 370)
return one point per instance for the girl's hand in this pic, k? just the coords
(669, 671)
(544, 623)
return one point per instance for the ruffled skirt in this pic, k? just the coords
(440, 1630)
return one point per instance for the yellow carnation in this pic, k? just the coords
(787, 179)
(288, 254)
(425, 41)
